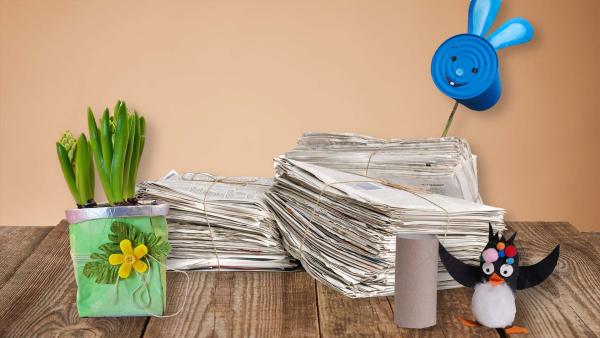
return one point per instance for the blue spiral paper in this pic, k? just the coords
(465, 67)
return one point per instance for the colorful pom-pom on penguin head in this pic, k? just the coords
(496, 263)
(511, 251)
(489, 255)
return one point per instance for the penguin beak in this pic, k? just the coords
(496, 280)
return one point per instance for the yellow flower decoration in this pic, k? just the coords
(129, 258)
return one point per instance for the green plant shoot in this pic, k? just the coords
(76, 164)
(117, 147)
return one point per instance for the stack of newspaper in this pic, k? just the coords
(219, 223)
(443, 166)
(342, 226)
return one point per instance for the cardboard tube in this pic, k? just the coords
(416, 281)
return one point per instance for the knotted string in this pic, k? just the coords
(212, 235)
(214, 181)
(412, 190)
(187, 289)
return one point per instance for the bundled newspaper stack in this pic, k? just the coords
(219, 223)
(342, 226)
(440, 165)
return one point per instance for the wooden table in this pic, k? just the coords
(37, 296)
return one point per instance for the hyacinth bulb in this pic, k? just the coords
(68, 141)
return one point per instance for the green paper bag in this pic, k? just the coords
(140, 294)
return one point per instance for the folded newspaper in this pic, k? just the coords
(342, 226)
(219, 222)
(443, 166)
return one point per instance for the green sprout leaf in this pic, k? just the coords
(115, 145)
(99, 152)
(67, 169)
(82, 170)
(76, 164)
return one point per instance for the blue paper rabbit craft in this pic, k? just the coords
(465, 67)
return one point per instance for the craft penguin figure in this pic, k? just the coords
(496, 280)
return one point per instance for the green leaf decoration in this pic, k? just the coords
(157, 246)
(110, 248)
(102, 271)
(122, 230)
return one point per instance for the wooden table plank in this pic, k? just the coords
(340, 316)
(594, 239)
(565, 305)
(457, 302)
(17, 244)
(434, 331)
(450, 304)
(39, 299)
(240, 304)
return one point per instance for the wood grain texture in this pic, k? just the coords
(457, 302)
(241, 304)
(450, 304)
(340, 316)
(567, 303)
(39, 299)
(17, 243)
(594, 239)
(434, 331)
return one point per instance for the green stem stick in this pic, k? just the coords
(450, 118)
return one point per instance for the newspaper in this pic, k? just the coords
(342, 226)
(219, 222)
(443, 166)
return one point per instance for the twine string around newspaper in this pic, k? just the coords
(413, 190)
(212, 235)
(214, 180)
(369, 161)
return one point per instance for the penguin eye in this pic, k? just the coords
(488, 268)
(506, 270)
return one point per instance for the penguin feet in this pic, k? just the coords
(516, 330)
(468, 323)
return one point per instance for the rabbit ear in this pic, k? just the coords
(513, 32)
(482, 14)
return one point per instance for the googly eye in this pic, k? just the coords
(453, 58)
(488, 268)
(506, 270)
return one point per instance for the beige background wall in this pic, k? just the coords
(227, 85)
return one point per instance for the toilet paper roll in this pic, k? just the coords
(416, 281)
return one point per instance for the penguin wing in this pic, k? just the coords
(465, 274)
(533, 275)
